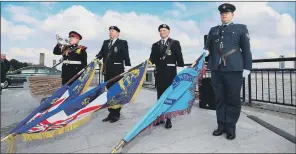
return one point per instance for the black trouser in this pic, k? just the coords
(227, 87)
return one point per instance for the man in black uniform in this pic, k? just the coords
(74, 56)
(230, 60)
(166, 54)
(115, 56)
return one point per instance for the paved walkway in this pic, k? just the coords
(190, 133)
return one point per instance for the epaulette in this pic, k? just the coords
(81, 47)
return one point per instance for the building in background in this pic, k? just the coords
(41, 59)
(282, 63)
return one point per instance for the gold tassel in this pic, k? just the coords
(10, 140)
(115, 106)
(52, 133)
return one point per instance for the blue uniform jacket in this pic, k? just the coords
(222, 40)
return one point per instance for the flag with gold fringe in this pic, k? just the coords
(68, 115)
(177, 99)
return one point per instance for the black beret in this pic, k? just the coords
(226, 7)
(164, 26)
(115, 28)
(75, 34)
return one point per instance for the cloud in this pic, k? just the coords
(15, 32)
(272, 33)
(142, 36)
(21, 14)
(180, 6)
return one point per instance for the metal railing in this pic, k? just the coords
(276, 86)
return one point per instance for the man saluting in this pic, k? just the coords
(166, 54)
(115, 56)
(74, 56)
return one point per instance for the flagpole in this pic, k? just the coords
(119, 146)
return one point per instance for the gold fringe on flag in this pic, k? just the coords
(10, 140)
(53, 133)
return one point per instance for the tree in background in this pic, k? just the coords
(15, 64)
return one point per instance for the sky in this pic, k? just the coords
(29, 28)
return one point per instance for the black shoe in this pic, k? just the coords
(168, 124)
(218, 132)
(161, 122)
(107, 119)
(114, 119)
(230, 136)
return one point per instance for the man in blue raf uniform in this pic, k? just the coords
(115, 56)
(230, 60)
(74, 56)
(166, 54)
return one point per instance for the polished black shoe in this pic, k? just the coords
(230, 136)
(114, 119)
(168, 124)
(218, 132)
(107, 119)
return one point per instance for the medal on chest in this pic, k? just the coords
(115, 49)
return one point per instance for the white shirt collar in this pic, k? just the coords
(165, 39)
(114, 40)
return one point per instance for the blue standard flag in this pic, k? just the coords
(176, 100)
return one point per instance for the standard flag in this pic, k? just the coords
(68, 115)
(65, 93)
(176, 100)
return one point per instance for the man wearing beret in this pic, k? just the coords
(230, 59)
(167, 56)
(115, 55)
(74, 56)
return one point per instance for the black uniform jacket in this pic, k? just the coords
(72, 53)
(166, 67)
(119, 57)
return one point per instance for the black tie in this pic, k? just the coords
(224, 26)
(110, 44)
(162, 44)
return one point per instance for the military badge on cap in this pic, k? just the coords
(226, 7)
(164, 26)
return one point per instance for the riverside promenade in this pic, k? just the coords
(190, 133)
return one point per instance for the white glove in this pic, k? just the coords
(207, 52)
(126, 68)
(179, 69)
(246, 73)
(2, 85)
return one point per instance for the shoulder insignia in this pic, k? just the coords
(81, 47)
